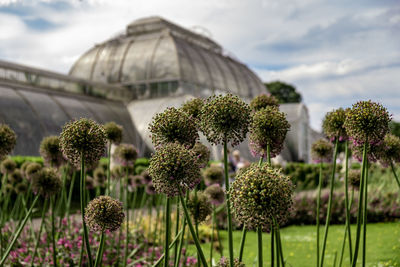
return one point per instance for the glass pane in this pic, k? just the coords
(114, 62)
(74, 108)
(101, 71)
(217, 75)
(83, 67)
(203, 76)
(187, 71)
(165, 64)
(230, 79)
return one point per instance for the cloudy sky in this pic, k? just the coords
(334, 52)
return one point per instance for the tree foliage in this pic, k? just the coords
(395, 128)
(285, 93)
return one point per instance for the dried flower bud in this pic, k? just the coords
(113, 132)
(8, 139)
(199, 206)
(216, 194)
(225, 118)
(104, 213)
(262, 101)
(8, 166)
(202, 153)
(51, 152)
(173, 125)
(125, 155)
(213, 175)
(333, 124)
(321, 151)
(83, 137)
(47, 182)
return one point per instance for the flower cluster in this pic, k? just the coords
(47, 182)
(104, 213)
(146, 177)
(199, 206)
(225, 118)
(8, 166)
(262, 101)
(390, 150)
(173, 125)
(333, 124)
(354, 178)
(193, 108)
(367, 121)
(99, 177)
(224, 262)
(8, 139)
(173, 166)
(216, 194)
(136, 181)
(202, 154)
(113, 132)
(50, 151)
(33, 169)
(125, 154)
(84, 138)
(268, 128)
(321, 151)
(213, 175)
(260, 195)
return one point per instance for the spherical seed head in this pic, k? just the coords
(321, 151)
(268, 127)
(113, 132)
(15, 177)
(8, 166)
(193, 108)
(374, 153)
(171, 166)
(32, 170)
(125, 154)
(146, 177)
(333, 124)
(23, 167)
(202, 153)
(89, 182)
(150, 189)
(51, 152)
(136, 181)
(47, 182)
(199, 206)
(99, 177)
(354, 178)
(83, 136)
(21, 188)
(8, 139)
(104, 213)
(216, 194)
(225, 118)
(390, 150)
(213, 175)
(367, 121)
(261, 194)
(224, 262)
(173, 125)
(262, 101)
(9, 188)
(118, 172)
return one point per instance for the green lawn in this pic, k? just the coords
(383, 245)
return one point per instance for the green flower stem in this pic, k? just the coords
(18, 232)
(83, 204)
(191, 229)
(395, 174)
(127, 217)
(360, 205)
(71, 189)
(40, 231)
(318, 208)
(365, 220)
(259, 251)
(242, 241)
(212, 234)
(99, 255)
(178, 259)
(108, 168)
(176, 230)
(346, 194)
(278, 263)
(328, 218)
(279, 244)
(170, 247)
(272, 246)
(345, 232)
(167, 231)
(228, 205)
(53, 230)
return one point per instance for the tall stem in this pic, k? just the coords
(53, 230)
(360, 206)
(167, 231)
(346, 194)
(328, 218)
(395, 174)
(318, 208)
(83, 204)
(212, 234)
(176, 231)
(99, 254)
(272, 246)
(191, 229)
(228, 205)
(126, 192)
(259, 251)
(365, 215)
(177, 263)
(108, 168)
(242, 241)
(40, 231)
(18, 232)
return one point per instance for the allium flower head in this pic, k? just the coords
(125, 154)
(16, 176)
(262, 101)
(367, 121)
(216, 194)
(202, 153)
(321, 151)
(8, 139)
(199, 206)
(333, 124)
(23, 167)
(113, 132)
(390, 150)
(89, 182)
(85, 137)
(354, 178)
(224, 262)
(8, 188)
(171, 166)
(374, 153)
(32, 170)
(268, 127)
(118, 172)
(104, 213)
(213, 175)
(21, 188)
(150, 189)
(99, 177)
(259, 194)
(136, 181)
(146, 177)
(193, 108)
(47, 182)
(51, 152)
(173, 125)
(8, 166)
(225, 118)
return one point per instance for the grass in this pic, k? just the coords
(383, 245)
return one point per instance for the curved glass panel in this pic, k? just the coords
(83, 67)
(50, 114)
(230, 79)
(165, 63)
(74, 108)
(242, 86)
(101, 71)
(115, 62)
(203, 76)
(188, 74)
(19, 116)
(216, 72)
